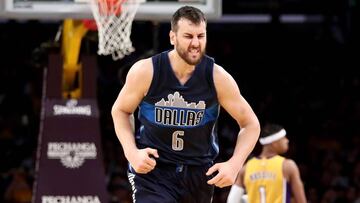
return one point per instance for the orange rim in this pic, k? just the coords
(110, 7)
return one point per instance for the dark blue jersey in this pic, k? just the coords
(180, 120)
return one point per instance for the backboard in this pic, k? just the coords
(156, 10)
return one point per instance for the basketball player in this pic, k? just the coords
(267, 178)
(179, 93)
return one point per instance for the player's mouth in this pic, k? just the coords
(194, 51)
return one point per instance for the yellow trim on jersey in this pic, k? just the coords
(264, 180)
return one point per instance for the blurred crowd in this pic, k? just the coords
(299, 75)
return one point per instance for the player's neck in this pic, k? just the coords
(268, 152)
(179, 66)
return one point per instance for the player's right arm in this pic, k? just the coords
(294, 179)
(137, 83)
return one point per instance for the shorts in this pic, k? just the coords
(172, 184)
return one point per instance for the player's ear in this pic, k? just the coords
(172, 37)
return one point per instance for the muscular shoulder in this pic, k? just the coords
(140, 74)
(224, 82)
(141, 68)
(289, 168)
(220, 73)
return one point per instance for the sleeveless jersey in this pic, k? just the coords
(180, 120)
(264, 181)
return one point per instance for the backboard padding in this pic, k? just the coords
(78, 9)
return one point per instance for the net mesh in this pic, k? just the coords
(114, 21)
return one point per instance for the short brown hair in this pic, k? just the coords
(193, 14)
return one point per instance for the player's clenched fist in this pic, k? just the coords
(142, 162)
(225, 177)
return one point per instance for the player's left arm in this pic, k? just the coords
(294, 179)
(231, 100)
(237, 189)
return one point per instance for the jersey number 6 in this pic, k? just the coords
(177, 141)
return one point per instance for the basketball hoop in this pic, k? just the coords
(114, 21)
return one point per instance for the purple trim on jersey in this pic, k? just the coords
(288, 193)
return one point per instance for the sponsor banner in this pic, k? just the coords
(70, 199)
(71, 154)
(69, 161)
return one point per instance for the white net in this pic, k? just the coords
(114, 21)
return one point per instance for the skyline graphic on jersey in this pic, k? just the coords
(178, 112)
(176, 100)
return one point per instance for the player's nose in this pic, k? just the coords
(195, 42)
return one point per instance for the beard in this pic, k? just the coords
(185, 54)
